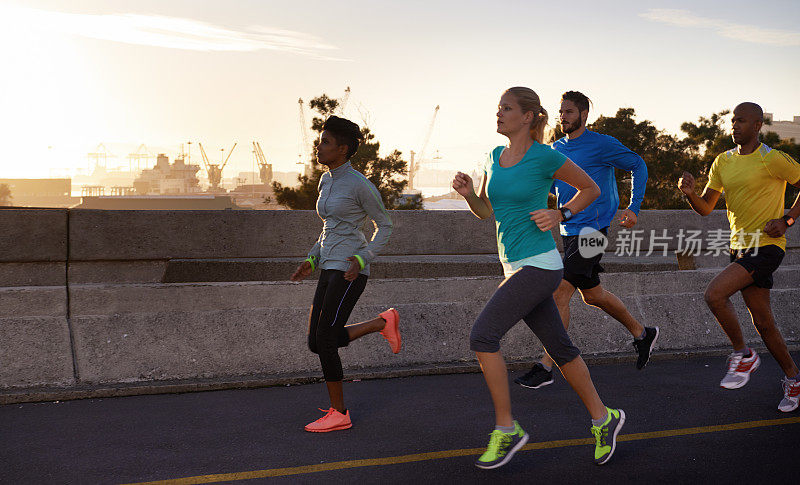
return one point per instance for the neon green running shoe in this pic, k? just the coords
(502, 447)
(605, 436)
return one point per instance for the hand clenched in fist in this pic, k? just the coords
(686, 183)
(462, 183)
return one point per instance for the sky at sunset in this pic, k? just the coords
(79, 73)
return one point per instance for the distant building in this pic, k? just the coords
(168, 179)
(784, 129)
(159, 202)
(287, 179)
(101, 176)
(40, 192)
(255, 196)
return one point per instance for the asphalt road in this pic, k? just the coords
(679, 430)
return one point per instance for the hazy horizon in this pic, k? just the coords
(166, 73)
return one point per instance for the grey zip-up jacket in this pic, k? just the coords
(346, 200)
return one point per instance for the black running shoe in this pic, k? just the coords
(645, 346)
(536, 377)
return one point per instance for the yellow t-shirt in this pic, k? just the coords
(754, 186)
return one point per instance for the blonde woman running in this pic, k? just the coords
(516, 181)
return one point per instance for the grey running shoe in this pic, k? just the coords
(791, 395)
(502, 447)
(536, 377)
(605, 436)
(739, 370)
(645, 346)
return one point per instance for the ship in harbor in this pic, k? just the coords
(168, 178)
(177, 185)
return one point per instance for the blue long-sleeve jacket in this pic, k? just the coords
(598, 155)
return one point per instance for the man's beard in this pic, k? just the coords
(569, 128)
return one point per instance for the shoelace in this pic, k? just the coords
(496, 441)
(790, 388)
(327, 412)
(734, 360)
(600, 434)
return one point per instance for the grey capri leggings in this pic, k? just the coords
(526, 295)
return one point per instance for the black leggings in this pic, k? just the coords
(333, 302)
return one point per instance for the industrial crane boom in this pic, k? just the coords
(416, 161)
(304, 150)
(205, 158)
(228, 157)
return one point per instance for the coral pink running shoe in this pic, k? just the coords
(332, 421)
(391, 332)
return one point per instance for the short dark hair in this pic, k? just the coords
(577, 97)
(345, 132)
(753, 108)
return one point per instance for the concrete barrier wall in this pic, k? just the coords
(43, 235)
(131, 333)
(189, 246)
(121, 320)
(34, 338)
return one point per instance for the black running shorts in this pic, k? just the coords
(581, 272)
(760, 262)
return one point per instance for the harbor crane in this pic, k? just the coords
(305, 147)
(417, 158)
(264, 168)
(214, 170)
(99, 153)
(306, 143)
(343, 102)
(136, 158)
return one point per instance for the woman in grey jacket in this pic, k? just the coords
(346, 200)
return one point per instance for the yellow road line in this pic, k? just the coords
(438, 455)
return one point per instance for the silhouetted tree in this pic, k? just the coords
(667, 156)
(387, 173)
(788, 146)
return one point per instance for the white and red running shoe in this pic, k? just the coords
(791, 395)
(739, 370)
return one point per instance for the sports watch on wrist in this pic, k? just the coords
(789, 221)
(566, 214)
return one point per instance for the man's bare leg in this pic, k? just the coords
(758, 303)
(732, 279)
(562, 296)
(603, 299)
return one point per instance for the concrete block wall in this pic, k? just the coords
(98, 299)
(131, 333)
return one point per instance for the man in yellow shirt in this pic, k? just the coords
(754, 178)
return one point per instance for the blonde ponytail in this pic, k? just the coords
(529, 102)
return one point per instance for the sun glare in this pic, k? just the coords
(45, 95)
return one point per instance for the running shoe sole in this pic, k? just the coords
(396, 327)
(614, 441)
(509, 455)
(335, 428)
(789, 409)
(546, 383)
(747, 377)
